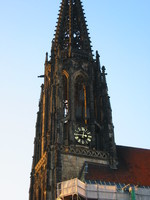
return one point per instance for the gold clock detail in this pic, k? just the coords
(83, 135)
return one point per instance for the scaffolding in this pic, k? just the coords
(74, 189)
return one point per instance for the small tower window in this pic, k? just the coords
(65, 93)
(65, 105)
(39, 194)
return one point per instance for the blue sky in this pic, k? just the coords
(119, 30)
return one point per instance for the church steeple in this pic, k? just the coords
(74, 122)
(71, 37)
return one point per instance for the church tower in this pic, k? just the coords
(74, 122)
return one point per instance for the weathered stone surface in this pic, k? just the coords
(74, 97)
(72, 165)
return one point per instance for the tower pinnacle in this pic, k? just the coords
(71, 37)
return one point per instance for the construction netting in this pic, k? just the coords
(98, 192)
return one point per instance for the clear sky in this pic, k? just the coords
(119, 30)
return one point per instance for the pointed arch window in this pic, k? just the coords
(39, 193)
(65, 92)
(81, 100)
(65, 79)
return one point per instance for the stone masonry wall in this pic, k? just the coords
(72, 165)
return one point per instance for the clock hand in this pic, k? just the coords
(83, 135)
(77, 134)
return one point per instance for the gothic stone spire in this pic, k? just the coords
(74, 122)
(72, 38)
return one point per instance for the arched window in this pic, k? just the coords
(65, 93)
(39, 194)
(65, 104)
(81, 100)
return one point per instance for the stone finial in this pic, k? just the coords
(46, 57)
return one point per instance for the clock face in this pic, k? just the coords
(83, 135)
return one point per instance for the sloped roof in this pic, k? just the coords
(133, 168)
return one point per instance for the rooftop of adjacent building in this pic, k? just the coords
(133, 168)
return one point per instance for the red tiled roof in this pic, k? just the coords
(133, 168)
